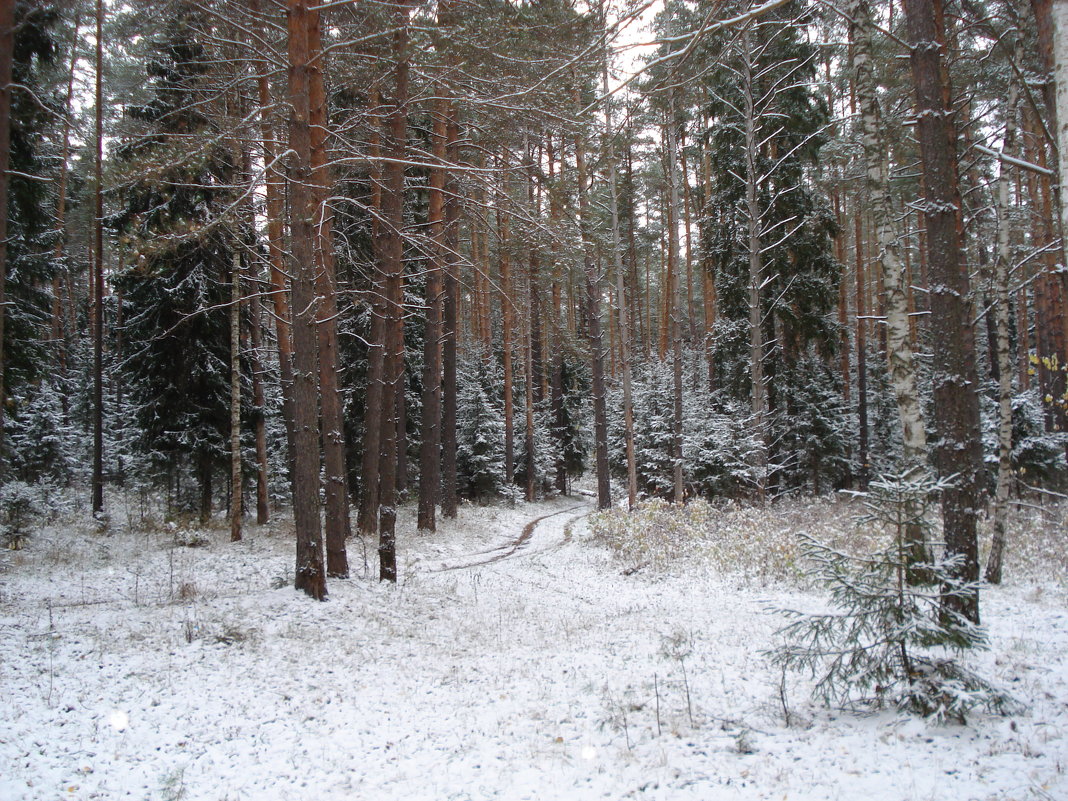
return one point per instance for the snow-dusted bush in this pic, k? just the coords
(21, 506)
(887, 640)
(480, 433)
(42, 442)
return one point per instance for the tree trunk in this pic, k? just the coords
(98, 276)
(531, 350)
(1060, 28)
(7, 52)
(430, 447)
(593, 323)
(393, 276)
(755, 279)
(331, 412)
(449, 498)
(899, 343)
(367, 518)
(956, 403)
(274, 191)
(310, 572)
(621, 299)
(259, 403)
(556, 394)
(204, 483)
(504, 234)
(674, 298)
(1002, 357)
(236, 499)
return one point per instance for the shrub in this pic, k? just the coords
(886, 639)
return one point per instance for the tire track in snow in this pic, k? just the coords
(522, 541)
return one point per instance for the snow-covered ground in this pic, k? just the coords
(512, 661)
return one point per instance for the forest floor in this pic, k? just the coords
(518, 658)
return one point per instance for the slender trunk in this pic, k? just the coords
(593, 328)
(430, 447)
(393, 276)
(504, 234)
(236, 482)
(674, 297)
(367, 518)
(556, 394)
(1002, 357)
(1060, 28)
(400, 414)
(691, 312)
(310, 570)
(621, 298)
(276, 212)
(956, 403)
(897, 329)
(259, 404)
(59, 328)
(7, 51)
(449, 491)
(758, 400)
(843, 300)
(98, 276)
(531, 337)
(331, 411)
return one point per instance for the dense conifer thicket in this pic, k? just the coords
(361, 254)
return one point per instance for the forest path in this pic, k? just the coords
(543, 533)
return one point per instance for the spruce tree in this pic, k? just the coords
(30, 236)
(177, 184)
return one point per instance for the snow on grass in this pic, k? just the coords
(135, 668)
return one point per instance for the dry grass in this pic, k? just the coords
(761, 544)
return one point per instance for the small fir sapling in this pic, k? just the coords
(21, 505)
(886, 640)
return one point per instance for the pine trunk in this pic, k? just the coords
(275, 200)
(621, 303)
(393, 277)
(593, 331)
(956, 403)
(674, 298)
(7, 51)
(430, 447)
(310, 570)
(755, 278)
(449, 489)
(236, 510)
(331, 411)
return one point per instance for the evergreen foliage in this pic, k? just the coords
(480, 439)
(31, 231)
(21, 505)
(887, 640)
(41, 441)
(175, 291)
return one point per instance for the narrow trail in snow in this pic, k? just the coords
(522, 542)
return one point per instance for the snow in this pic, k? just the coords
(511, 662)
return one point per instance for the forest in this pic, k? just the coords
(374, 282)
